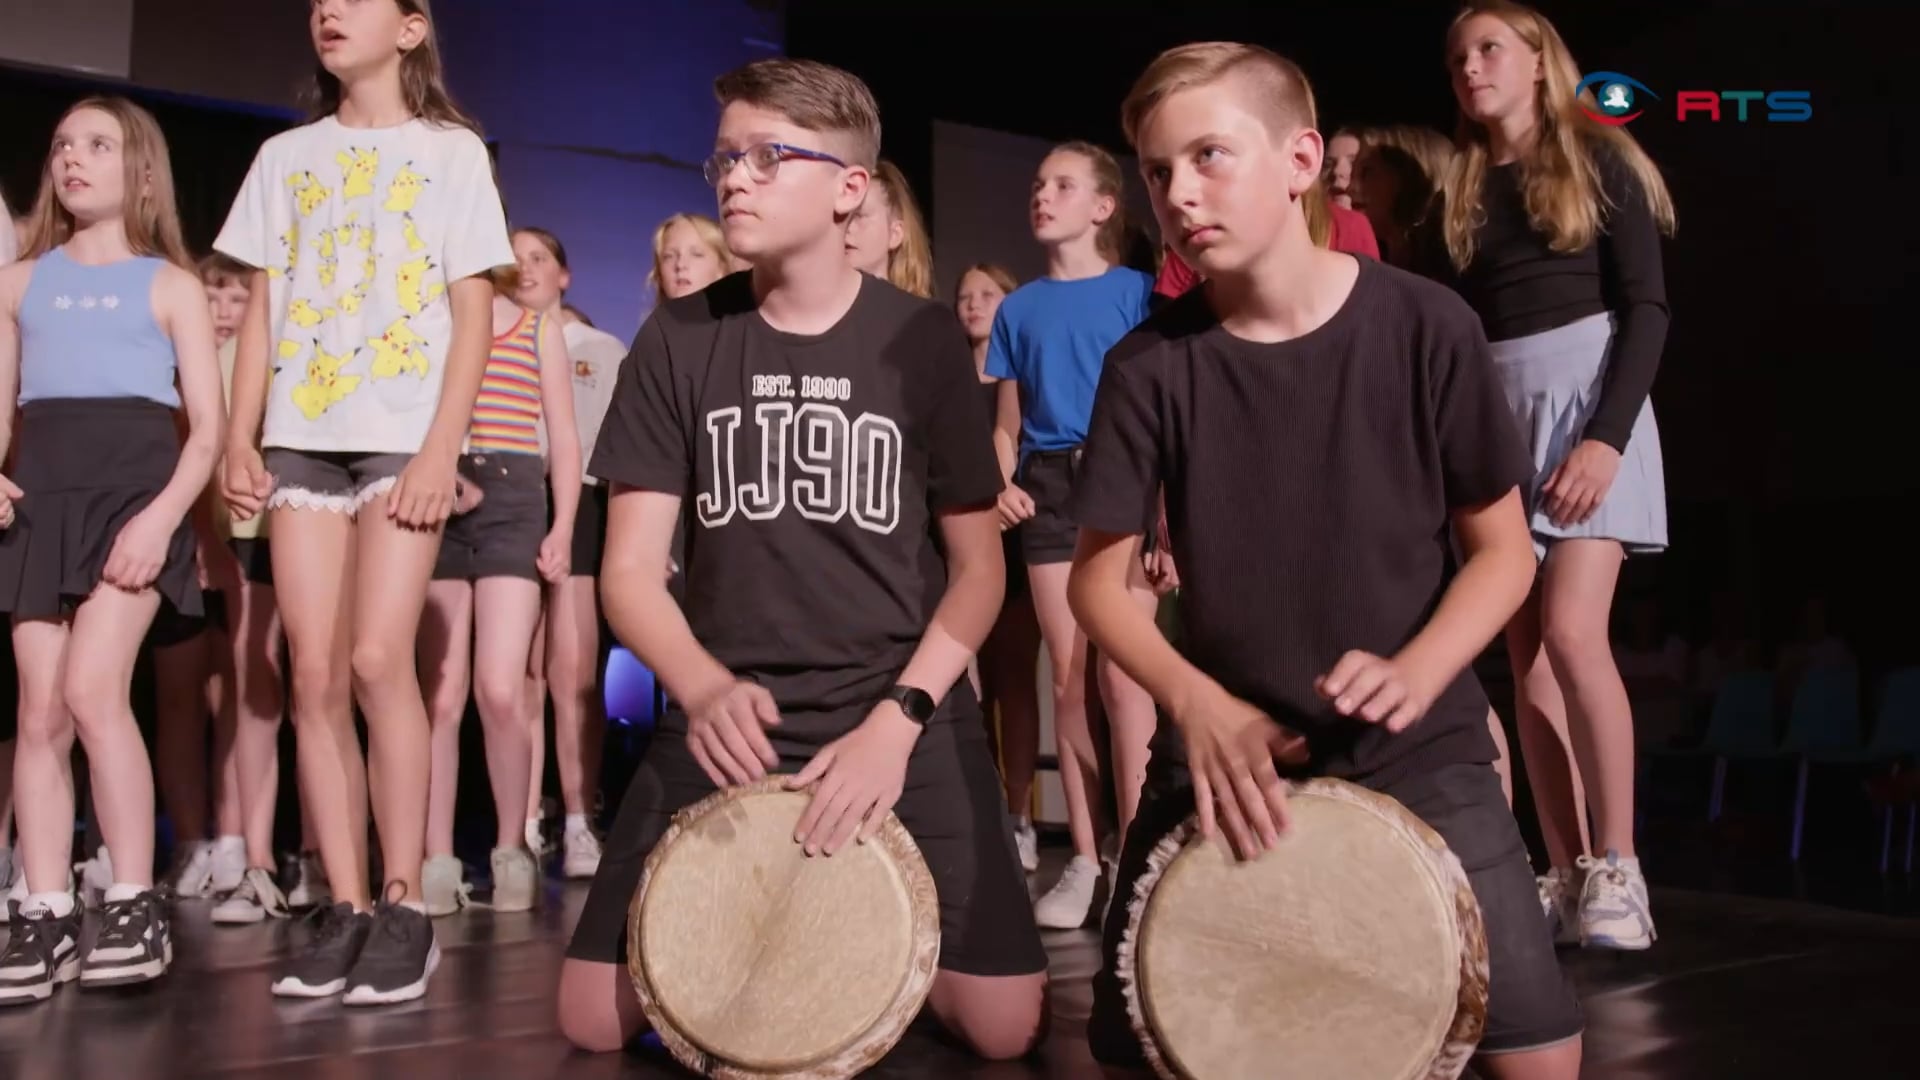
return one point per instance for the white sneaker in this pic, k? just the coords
(1027, 842)
(516, 879)
(1560, 890)
(582, 859)
(227, 865)
(252, 901)
(1066, 905)
(192, 870)
(310, 888)
(443, 885)
(1614, 910)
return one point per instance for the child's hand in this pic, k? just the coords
(1015, 507)
(138, 552)
(1231, 750)
(467, 495)
(556, 557)
(1376, 690)
(245, 483)
(9, 491)
(422, 497)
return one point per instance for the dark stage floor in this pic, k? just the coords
(1735, 987)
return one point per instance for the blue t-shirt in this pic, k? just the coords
(1051, 337)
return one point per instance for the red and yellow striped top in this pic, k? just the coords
(506, 415)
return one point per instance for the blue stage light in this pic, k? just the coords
(631, 693)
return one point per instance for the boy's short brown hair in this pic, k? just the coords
(218, 271)
(1272, 77)
(815, 96)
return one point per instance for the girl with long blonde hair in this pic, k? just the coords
(1551, 227)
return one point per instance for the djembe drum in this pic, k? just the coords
(754, 962)
(1353, 950)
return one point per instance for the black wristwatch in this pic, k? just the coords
(915, 702)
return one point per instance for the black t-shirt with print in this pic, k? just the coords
(813, 469)
(1308, 490)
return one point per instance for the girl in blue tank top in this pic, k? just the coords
(104, 333)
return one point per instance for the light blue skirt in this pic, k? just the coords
(1553, 381)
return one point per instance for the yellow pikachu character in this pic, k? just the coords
(358, 171)
(408, 286)
(350, 303)
(324, 387)
(302, 314)
(291, 241)
(397, 352)
(404, 190)
(414, 243)
(343, 235)
(308, 192)
(289, 348)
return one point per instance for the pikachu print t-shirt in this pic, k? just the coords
(360, 232)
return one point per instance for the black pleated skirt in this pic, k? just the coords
(87, 466)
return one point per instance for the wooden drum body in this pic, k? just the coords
(753, 961)
(1353, 950)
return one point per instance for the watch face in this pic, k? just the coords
(917, 704)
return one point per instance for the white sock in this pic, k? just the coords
(576, 823)
(59, 903)
(416, 905)
(231, 845)
(118, 891)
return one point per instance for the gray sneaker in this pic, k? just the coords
(516, 879)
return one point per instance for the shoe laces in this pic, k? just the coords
(119, 917)
(394, 919)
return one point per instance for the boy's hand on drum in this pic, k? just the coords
(726, 737)
(1231, 749)
(860, 775)
(1376, 690)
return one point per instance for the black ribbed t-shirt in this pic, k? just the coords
(1309, 486)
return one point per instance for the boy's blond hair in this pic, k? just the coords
(1274, 80)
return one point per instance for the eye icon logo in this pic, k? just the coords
(1615, 98)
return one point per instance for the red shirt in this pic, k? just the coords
(1352, 233)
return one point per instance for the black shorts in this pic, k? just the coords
(1049, 536)
(589, 530)
(500, 537)
(952, 806)
(254, 557)
(1530, 1003)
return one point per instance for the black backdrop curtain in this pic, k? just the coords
(211, 143)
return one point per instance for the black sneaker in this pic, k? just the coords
(321, 971)
(42, 953)
(400, 955)
(134, 944)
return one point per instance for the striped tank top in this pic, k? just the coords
(506, 415)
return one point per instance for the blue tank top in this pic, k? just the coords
(89, 332)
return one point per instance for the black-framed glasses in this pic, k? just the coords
(763, 161)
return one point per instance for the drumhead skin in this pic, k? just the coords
(754, 962)
(1354, 949)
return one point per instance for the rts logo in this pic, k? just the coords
(1617, 100)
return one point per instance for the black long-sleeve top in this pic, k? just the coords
(1520, 287)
